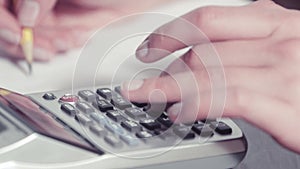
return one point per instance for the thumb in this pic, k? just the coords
(30, 12)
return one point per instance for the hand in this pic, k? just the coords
(258, 45)
(59, 25)
(15, 15)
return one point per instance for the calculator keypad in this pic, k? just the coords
(118, 122)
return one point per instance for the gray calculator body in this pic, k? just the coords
(50, 134)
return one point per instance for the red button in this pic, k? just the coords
(69, 98)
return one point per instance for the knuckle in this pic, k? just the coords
(207, 15)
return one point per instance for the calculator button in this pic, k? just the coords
(105, 93)
(49, 96)
(131, 126)
(129, 140)
(165, 121)
(99, 131)
(99, 118)
(87, 95)
(140, 105)
(118, 89)
(114, 128)
(221, 128)
(144, 135)
(135, 113)
(84, 107)
(183, 132)
(103, 105)
(113, 141)
(69, 98)
(150, 124)
(83, 119)
(115, 115)
(120, 103)
(203, 130)
(69, 109)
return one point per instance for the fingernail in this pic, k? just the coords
(9, 36)
(41, 54)
(132, 85)
(175, 109)
(142, 50)
(28, 12)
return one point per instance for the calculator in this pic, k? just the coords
(98, 128)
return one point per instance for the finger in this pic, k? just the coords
(70, 16)
(9, 28)
(187, 84)
(235, 53)
(268, 113)
(207, 24)
(63, 39)
(43, 48)
(31, 12)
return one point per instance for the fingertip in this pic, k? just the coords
(10, 36)
(130, 88)
(142, 51)
(150, 51)
(174, 111)
(132, 85)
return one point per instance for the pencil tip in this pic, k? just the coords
(29, 68)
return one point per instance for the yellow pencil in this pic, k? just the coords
(27, 46)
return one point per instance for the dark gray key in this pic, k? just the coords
(105, 93)
(221, 128)
(183, 132)
(113, 141)
(99, 131)
(103, 105)
(69, 109)
(115, 115)
(87, 95)
(203, 130)
(131, 126)
(118, 89)
(120, 103)
(150, 124)
(84, 107)
(83, 119)
(135, 113)
(49, 96)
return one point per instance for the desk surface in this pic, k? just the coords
(263, 153)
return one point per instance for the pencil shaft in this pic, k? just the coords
(27, 46)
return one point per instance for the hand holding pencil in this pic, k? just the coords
(55, 26)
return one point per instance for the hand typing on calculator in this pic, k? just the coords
(259, 53)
